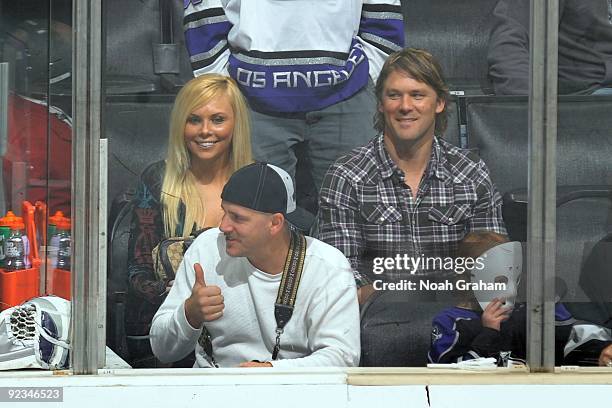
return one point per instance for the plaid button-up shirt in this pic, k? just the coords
(367, 211)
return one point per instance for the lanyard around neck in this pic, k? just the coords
(285, 299)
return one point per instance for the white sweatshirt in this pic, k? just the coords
(323, 331)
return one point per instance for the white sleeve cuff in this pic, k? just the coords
(186, 330)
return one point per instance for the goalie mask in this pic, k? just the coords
(500, 275)
(35, 334)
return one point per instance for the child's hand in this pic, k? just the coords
(494, 314)
(605, 358)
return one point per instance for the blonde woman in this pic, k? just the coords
(209, 140)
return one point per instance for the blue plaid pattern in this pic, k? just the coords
(366, 210)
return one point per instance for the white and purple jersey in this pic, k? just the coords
(293, 55)
(458, 335)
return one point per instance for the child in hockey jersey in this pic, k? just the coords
(487, 323)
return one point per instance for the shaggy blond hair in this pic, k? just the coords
(179, 184)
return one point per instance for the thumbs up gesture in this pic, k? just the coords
(205, 303)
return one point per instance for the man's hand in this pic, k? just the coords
(255, 364)
(364, 292)
(494, 314)
(605, 358)
(205, 303)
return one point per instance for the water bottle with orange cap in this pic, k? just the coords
(5, 233)
(15, 247)
(53, 220)
(53, 246)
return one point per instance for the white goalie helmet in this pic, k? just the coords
(35, 334)
(503, 264)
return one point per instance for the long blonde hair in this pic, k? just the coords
(179, 184)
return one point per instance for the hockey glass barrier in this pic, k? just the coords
(584, 183)
(310, 106)
(35, 198)
(492, 254)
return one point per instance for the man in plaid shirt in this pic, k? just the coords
(407, 195)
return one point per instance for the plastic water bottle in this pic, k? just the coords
(15, 248)
(5, 232)
(52, 226)
(63, 244)
(53, 239)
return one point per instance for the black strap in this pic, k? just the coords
(287, 291)
(205, 342)
(285, 300)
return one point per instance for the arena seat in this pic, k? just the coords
(581, 223)
(452, 133)
(137, 132)
(497, 130)
(135, 62)
(117, 284)
(596, 281)
(396, 328)
(455, 32)
(583, 218)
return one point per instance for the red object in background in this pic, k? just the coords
(37, 162)
(22, 284)
(18, 286)
(61, 283)
(29, 222)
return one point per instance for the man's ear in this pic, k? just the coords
(440, 104)
(277, 223)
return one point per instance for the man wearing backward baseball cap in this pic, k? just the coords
(255, 292)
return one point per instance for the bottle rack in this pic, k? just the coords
(18, 286)
(21, 285)
(61, 283)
